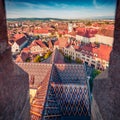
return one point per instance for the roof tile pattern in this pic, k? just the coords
(38, 102)
(72, 99)
(36, 71)
(61, 89)
(71, 73)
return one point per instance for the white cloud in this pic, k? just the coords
(17, 5)
(54, 10)
(97, 5)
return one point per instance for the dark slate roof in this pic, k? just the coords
(61, 89)
(73, 99)
(56, 57)
(71, 73)
(21, 40)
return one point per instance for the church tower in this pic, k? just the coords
(14, 85)
(70, 27)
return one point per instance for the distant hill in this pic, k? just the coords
(44, 19)
(60, 19)
(104, 17)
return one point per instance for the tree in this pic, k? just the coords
(88, 23)
(79, 61)
(68, 58)
(27, 60)
(47, 54)
(93, 75)
(37, 59)
(97, 44)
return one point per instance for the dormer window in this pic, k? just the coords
(95, 55)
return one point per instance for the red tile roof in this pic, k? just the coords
(39, 31)
(25, 50)
(103, 51)
(19, 59)
(18, 36)
(86, 32)
(37, 105)
(73, 33)
(38, 42)
(56, 42)
(106, 32)
(63, 32)
(76, 47)
(62, 42)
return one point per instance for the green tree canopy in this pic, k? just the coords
(27, 60)
(47, 54)
(93, 75)
(37, 59)
(79, 61)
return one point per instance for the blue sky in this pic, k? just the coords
(60, 8)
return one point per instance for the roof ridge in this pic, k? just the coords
(40, 106)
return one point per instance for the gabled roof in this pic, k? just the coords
(25, 50)
(102, 52)
(86, 32)
(40, 43)
(56, 42)
(37, 105)
(21, 40)
(62, 42)
(40, 31)
(37, 43)
(71, 73)
(58, 86)
(39, 71)
(57, 57)
(18, 36)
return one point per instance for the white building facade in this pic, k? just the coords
(98, 38)
(91, 60)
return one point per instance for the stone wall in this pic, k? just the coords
(14, 90)
(14, 86)
(106, 90)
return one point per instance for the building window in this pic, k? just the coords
(95, 55)
(93, 61)
(83, 58)
(98, 65)
(98, 61)
(87, 59)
